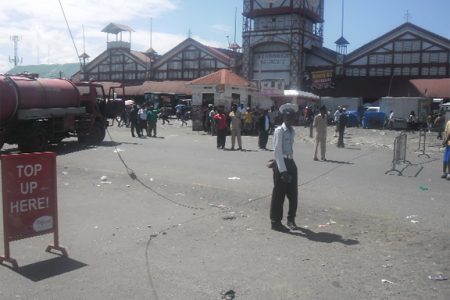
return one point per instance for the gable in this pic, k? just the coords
(190, 49)
(405, 38)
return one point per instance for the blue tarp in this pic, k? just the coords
(353, 118)
(373, 119)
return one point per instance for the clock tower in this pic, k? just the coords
(276, 35)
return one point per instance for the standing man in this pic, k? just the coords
(337, 114)
(235, 127)
(439, 124)
(221, 127)
(134, 121)
(211, 122)
(320, 123)
(152, 119)
(284, 171)
(142, 120)
(341, 127)
(264, 128)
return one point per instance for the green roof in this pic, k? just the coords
(48, 71)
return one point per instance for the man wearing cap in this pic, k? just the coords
(235, 127)
(284, 171)
(320, 123)
(341, 127)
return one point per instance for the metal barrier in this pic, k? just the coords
(399, 154)
(422, 143)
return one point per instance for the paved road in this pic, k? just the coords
(195, 223)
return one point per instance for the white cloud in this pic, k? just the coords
(45, 37)
(41, 25)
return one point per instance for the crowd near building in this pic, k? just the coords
(282, 59)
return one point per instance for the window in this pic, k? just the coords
(406, 71)
(116, 68)
(130, 67)
(414, 71)
(204, 64)
(174, 75)
(357, 72)
(117, 59)
(190, 74)
(161, 75)
(103, 77)
(103, 68)
(188, 64)
(174, 65)
(130, 76)
(380, 59)
(191, 54)
(116, 77)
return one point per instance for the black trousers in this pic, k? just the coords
(221, 137)
(263, 138)
(282, 189)
(135, 126)
(341, 137)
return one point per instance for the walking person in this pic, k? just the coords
(439, 124)
(165, 112)
(235, 127)
(391, 120)
(183, 116)
(337, 114)
(264, 128)
(320, 123)
(221, 127)
(341, 127)
(284, 171)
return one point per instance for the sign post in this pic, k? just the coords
(29, 199)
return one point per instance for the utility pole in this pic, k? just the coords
(16, 60)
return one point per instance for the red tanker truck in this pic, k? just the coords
(35, 112)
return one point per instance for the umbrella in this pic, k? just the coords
(129, 102)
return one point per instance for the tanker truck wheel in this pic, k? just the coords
(35, 141)
(97, 134)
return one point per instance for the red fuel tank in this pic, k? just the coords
(19, 92)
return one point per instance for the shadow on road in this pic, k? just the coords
(323, 237)
(49, 268)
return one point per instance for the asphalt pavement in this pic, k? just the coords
(174, 218)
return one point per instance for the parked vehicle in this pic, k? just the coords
(35, 112)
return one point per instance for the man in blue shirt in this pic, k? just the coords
(284, 171)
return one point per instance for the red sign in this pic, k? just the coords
(29, 197)
(29, 194)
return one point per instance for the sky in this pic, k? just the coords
(44, 37)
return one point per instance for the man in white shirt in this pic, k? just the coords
(142, 113)
(320, 123)
(337, 115)
(284, 171)
(391, 120)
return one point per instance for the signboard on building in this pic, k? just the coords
(272, 87)
(322, 79)
(271, 61)
(29, 198)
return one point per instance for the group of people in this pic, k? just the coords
(249, 119)
(233, 122)
(144, 118)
